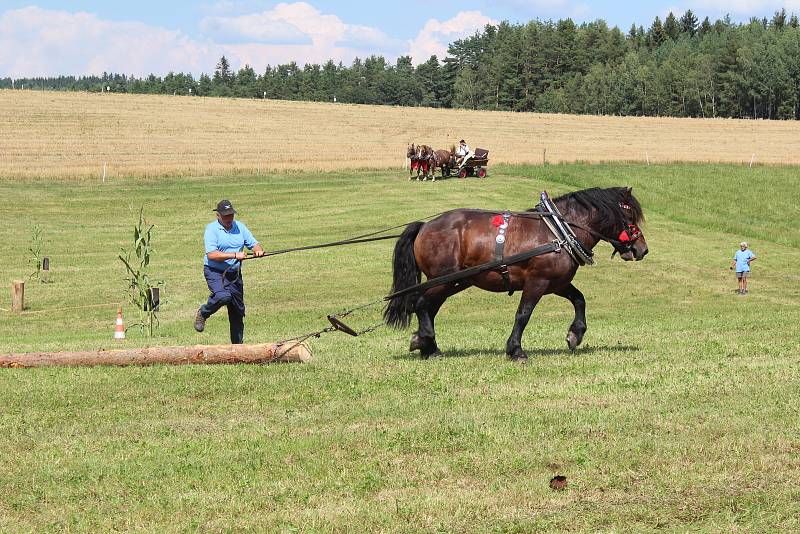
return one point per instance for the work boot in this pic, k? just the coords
(199, 321)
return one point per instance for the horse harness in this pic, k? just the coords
(565, 237)
(501, 223)
(562, 231)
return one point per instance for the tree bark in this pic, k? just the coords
(199, 354)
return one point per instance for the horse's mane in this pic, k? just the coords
(607, 203)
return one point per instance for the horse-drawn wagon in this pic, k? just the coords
(476, 165)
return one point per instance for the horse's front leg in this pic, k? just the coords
(531, 295)
(578, 326)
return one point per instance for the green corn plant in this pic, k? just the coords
(139, 281)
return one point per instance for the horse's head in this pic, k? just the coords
(411, 151)
(613, 215)
(425, 152)
(629, 242)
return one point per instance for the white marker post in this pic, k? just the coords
(104, 171)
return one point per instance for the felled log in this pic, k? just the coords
(199, 354)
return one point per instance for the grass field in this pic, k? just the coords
(679, 412)
(77, 135)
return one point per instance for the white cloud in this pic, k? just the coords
(435, 35)
(254, 28)
(325, 37)
(318, 36)
(39, 42)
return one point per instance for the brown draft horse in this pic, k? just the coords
(444, 160)
(426, 158)
(411, 154)
(463, 238)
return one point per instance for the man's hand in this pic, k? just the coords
(258, 253)
(240, 255)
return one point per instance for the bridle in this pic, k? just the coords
(625, 239)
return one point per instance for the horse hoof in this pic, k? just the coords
(572, 341)
(520, 358)
(433, 354)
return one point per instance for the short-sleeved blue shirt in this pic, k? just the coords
(742, 257)
(217, 238)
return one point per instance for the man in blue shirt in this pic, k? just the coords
(225, 240)
(741, 262)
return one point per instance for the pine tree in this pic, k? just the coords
(705, 27)
(656, 35)
(689, 23)
(671, 27)
(224, 72)
(779, 20)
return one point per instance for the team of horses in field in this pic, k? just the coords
(425, 160)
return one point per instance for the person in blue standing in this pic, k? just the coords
(225, 241)
(741, 262)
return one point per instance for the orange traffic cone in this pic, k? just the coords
(119, 330)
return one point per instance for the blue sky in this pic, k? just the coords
(51, 37)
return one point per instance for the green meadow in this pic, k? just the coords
(678, 413)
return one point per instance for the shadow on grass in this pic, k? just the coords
(468, 353)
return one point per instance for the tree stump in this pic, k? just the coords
(18, 296)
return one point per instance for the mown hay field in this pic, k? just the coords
(76, 135)
(678, 413)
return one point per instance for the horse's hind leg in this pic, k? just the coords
(427, 307)
(578, 326)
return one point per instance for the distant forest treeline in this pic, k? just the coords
(680, 67)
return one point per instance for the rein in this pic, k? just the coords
(364, 238)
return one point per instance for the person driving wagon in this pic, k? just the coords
(463, 153)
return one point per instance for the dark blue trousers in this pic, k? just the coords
(227, 290)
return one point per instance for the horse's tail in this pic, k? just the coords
(406, 273)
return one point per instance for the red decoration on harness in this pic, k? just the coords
(414, 165)
(497, 220)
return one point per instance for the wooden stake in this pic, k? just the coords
(291, 351)
(18, 296)
(544, 156)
